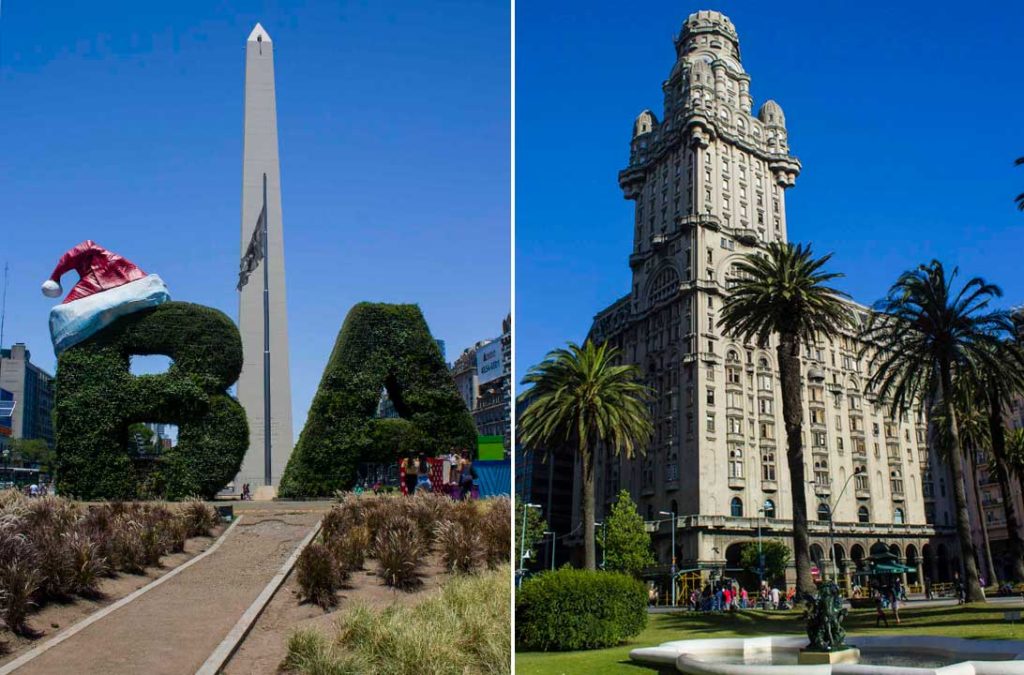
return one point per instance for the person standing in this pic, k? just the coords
(423, 477)
(466, 476)
(411, 475)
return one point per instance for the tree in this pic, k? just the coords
(627, 546)
(580, 401)
(783, 291)
(997, 389)
(1015, 453)
(776, 558)
(31, 451)
(926, 334)
(535, 528)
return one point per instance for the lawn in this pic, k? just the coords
(977, 621)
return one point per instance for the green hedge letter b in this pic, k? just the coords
(97, 399)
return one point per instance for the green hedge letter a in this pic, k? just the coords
(380, 346)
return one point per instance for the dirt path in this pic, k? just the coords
(174, 628)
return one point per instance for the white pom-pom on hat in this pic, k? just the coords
(51, 288)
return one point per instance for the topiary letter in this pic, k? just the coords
(379, 346)
(97, 398)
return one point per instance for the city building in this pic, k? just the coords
(709, 181)
(30, 389)
(483, 376)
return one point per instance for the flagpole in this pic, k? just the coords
(267, 464)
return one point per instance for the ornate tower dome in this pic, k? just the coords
(771, 114)
(710, 31)
(645, 123)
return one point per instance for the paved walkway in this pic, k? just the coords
(175, 627)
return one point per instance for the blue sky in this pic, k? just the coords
(907, 117)
(122, 122)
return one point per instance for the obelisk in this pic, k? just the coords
(262, 310)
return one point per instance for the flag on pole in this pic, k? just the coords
(254, 252)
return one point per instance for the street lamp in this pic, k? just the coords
(760, 552)
(552, 535)
(831, 523)
(673, 514)
(522, 543)
(7, 463)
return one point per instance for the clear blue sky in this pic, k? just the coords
(122, 122)
(907, 117)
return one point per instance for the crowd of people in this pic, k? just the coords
(727, 595)
(455, 475)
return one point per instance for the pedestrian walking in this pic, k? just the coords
(880, 612)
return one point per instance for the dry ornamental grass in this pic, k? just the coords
(52, 548)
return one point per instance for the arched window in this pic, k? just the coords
(675, 507)
(737, 507)
(736, 462)
(732, 356)
(664, 286)
(862, 514)
(769, 508)
(897, 516)
(823, 512)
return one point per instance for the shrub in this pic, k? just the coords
(176, 531)
(19, 580)
(466, 628)
(496, 532)
(88, 563)
(428, 509)
(200, 517)
(460, 546)
(127, 549)
(317, 576)
(572, 609)
(398, 549)
(55, 562)
(349, 548)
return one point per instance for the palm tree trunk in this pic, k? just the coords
(993, 576)
(792, 416)
(998, 435)
(589, 552)
(956, 462)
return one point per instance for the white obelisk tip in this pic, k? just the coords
(259, 34)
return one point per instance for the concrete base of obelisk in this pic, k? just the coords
(265, 493)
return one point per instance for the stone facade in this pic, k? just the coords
(709, 182)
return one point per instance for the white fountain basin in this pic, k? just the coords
(880, 654)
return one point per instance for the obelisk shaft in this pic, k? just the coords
(263, 342)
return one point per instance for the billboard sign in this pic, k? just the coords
(488, 361)
(6, 412)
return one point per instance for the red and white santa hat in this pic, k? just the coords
(100, 270)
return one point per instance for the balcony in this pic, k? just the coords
(737, 483)
(769, 486)
(862, 493)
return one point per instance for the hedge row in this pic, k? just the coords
(571, 609)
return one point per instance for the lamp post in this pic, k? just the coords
(552, 535)
(522, 543)
(760, 553)
(831, 523)
(7, 463)
(673, 514)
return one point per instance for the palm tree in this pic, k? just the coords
(926, 333)
(785, 292)
(1015, 453)
(580, 400)
(972, 423)
(998, 389)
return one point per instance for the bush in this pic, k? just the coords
(200, 518)
(496, 532)
(317, 576)
(89, 565)
(466, 628)
(572, 609)
(349, 547)
(398, 549)
(460, 545)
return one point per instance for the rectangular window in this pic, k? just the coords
(709, 422)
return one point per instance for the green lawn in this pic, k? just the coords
(978, 621)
